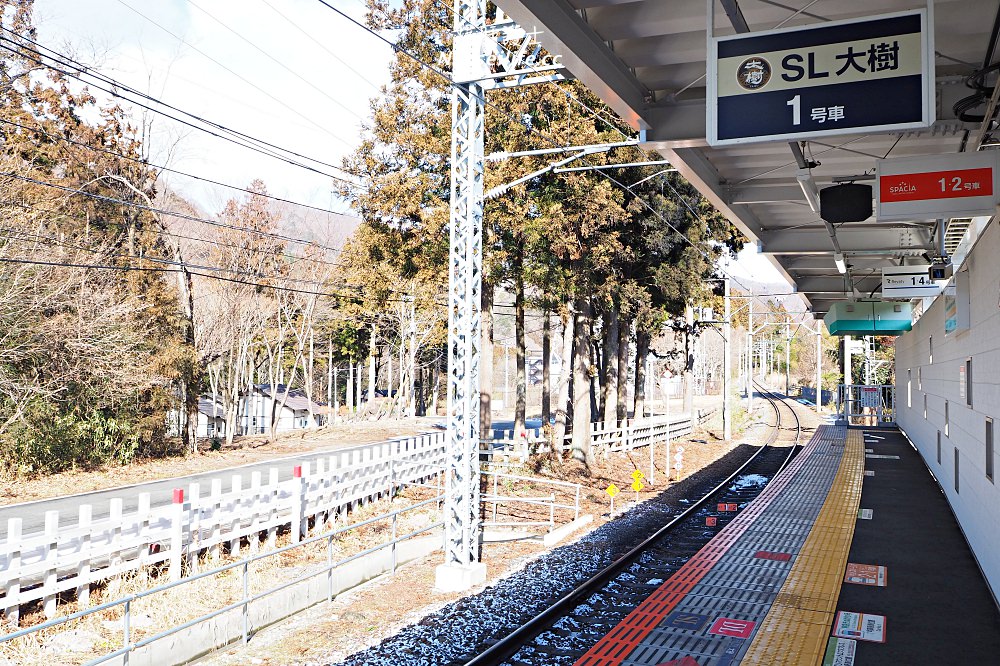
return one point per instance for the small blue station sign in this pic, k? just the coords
(860, 75)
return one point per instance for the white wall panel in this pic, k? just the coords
(977, 504)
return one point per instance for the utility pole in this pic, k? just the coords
(727, 331)
(788, 355)
(750, 356)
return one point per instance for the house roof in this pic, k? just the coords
(297, 400)
(205, 407)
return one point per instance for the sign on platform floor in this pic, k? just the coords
(861, 626)
(840, 77)
(866, 574)
(840, 652)
(935, 186)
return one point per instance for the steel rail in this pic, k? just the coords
(514, 641)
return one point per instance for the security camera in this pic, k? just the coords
(940, 270)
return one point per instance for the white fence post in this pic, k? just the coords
(255, 512)
(194, 528)
(177, 523)
(298, 498)
(216, 549)
(13, 586)
(83, 567)
(143, 516)
(52, 560)
(273, 488)
(234, 526)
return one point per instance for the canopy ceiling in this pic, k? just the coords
(646, 59)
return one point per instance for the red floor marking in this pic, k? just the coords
(686, 661)
(728, 626)
(769, 555)
(617, 644)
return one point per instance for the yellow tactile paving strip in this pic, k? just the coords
(796, 629)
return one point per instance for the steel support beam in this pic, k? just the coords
(563, 31)
(462, 568)
(805, 241)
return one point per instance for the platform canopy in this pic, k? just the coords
(647, 60)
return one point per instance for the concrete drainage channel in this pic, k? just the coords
(221, 631)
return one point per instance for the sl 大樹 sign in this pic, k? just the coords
(858, 75)
(936, 186)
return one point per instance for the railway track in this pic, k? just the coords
(564, 631)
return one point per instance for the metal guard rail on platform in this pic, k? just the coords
(867, 404)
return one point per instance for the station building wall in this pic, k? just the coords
(948, 398)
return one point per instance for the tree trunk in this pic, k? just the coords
(486, 365)
(546, 375)
(624, 344)
(642, 340)
(580, 445)
(688, 360)
(371, 372)
(565, 372)
(329, 383)
(520, 398)
(609, 382)
(350, 386)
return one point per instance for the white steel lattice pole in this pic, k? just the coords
(462, 523)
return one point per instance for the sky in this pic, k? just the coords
(289, 72)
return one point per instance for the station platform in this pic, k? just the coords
(851, 555)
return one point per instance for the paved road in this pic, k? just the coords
(161, 492)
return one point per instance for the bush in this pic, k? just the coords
(47, 440)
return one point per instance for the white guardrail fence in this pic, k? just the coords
(43, 565)
(67, 560)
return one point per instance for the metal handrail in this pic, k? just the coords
(244, 564)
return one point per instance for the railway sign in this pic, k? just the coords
(935, 186)
(612, 490)
(637, 485)
(906, 282)
(637, 475)
(859, 75)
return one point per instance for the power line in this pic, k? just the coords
(160, 211)
(51, 241)
(279, 63)
(209, 241)
(149, 269)
(238, 138)
(322, 46)
(240, 77)
(145, 162)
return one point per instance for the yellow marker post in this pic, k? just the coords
(637, 486)
(612, 490)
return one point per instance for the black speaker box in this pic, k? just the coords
(850, 202)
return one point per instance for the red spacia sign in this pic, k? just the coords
(936, 185)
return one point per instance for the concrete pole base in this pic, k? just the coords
(458, 578)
